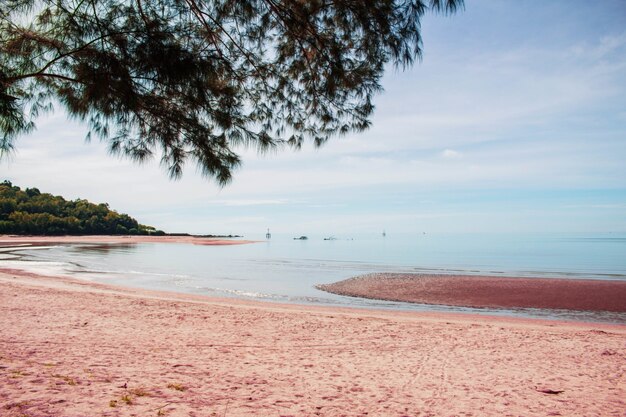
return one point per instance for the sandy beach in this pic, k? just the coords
(75, 348)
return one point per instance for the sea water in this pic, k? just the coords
(287, 270)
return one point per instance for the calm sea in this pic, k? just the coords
(286, 270)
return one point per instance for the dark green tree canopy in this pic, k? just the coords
(197, 79)
(30, 211)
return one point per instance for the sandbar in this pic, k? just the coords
(487, 291)
(79, 348)
(8, 240)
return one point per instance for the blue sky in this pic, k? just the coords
(515, 120)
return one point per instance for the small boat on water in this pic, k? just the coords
(301, 238)
(330, 238)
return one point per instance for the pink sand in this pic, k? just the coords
(487, 291)
(73, 348)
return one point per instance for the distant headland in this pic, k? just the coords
(32, 212)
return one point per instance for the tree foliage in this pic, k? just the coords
(31, 212)
(199, 79)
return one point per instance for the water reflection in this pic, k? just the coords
(104, 247)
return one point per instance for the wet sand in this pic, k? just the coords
(76, 348)
(486, 291)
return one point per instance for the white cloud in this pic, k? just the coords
(606, 46)
(244, 203)
(451, 154)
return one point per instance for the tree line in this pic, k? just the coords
(32, 212)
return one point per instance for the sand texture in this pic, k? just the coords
(486, 291)
(72, 348)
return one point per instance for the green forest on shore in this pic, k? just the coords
(32, 212)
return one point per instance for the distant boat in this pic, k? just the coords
(330, 238)
(301, 238)
(384, 234)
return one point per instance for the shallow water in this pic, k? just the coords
(286, 270)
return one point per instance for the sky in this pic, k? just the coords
(514, 121)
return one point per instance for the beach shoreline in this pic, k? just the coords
(70, 347)
(466, 293)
